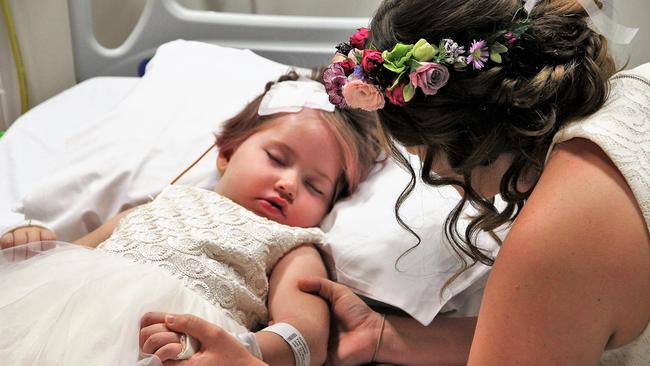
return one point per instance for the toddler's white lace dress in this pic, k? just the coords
(188, 251)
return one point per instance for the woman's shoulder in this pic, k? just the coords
(582, 225)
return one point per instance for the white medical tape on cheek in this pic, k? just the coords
(613, 31)
(294, 95)
(296, 341)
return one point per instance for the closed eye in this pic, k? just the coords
(311, 186)
(275, 158)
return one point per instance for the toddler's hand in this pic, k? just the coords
(157, 339)
(26, 235)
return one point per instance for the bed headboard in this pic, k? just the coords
(293, 40)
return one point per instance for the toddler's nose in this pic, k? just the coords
(286, 186)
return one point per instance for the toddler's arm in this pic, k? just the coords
(287, 304)
(102, 233)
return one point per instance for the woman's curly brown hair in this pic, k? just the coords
(557, 72)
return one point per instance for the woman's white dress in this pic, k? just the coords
(621, 128)
(188, 251)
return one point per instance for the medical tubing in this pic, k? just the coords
(17, 56)
(194, 163)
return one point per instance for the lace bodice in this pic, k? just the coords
(622, 129)
(216, 247)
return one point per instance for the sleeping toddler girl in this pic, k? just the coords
(232, 255)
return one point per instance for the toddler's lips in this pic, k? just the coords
(271, 209)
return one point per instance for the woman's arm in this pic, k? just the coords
(404, 341)
(572, 276)
(103, 232)
(287, 304)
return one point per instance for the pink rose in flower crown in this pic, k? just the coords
(371, 60)
(359, 94)
(430, 77)
(396, 95)
(358, 40)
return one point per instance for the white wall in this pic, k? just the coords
(10, 102)
(44, 37)
(633, 13)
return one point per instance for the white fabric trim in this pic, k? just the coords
(292, 96)
(250, 343)
(189, 346)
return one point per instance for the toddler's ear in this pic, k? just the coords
(222, 161)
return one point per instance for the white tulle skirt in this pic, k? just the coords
(71, 305)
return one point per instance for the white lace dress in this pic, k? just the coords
(622, 129)
(188, 251)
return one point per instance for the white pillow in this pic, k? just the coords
(139, 147)
(188, 90)
(369, 250)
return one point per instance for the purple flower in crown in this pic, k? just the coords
(430, 77)
(452, 50)
(334, 79)
(357, 73)
(478, 54)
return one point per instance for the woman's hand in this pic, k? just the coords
(357, 325)
(218, 347)
(24, 235)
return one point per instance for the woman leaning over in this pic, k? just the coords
(496, 98)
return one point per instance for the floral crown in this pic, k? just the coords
(360, 76)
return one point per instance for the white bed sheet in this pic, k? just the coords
(35, 142)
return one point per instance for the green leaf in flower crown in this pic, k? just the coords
(495, 57)
(442, 53)
(409, 92)
(423, 51)
(395, 59)
(496, 49)
(396, 81)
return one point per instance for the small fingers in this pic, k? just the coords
(169, 351)
(7, 241)
(155, 344)
(20, 237)
(148, 331)
(47, 235)
(33, 234)
(152, 317)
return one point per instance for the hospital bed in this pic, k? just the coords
(116, 139)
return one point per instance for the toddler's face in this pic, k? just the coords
(286, 172)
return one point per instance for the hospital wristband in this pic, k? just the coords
(296, 341)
